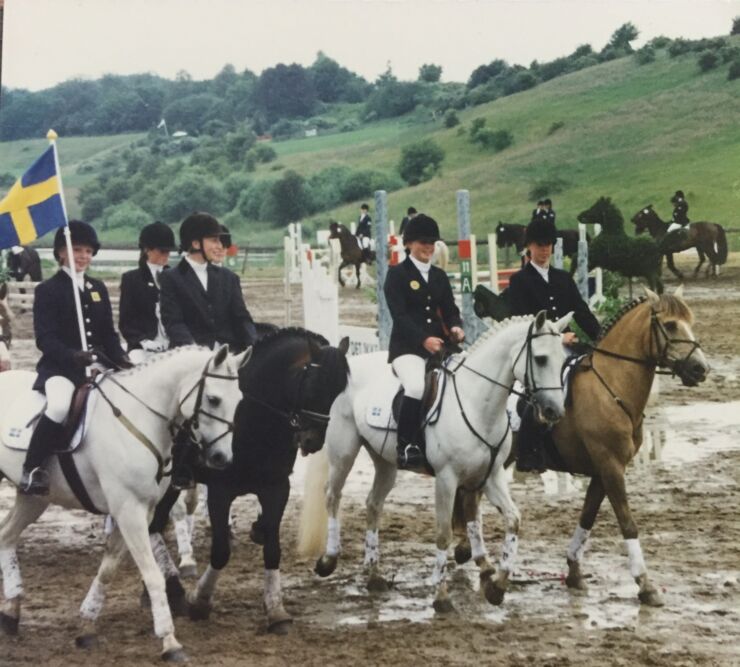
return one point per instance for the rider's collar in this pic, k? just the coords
(80, 277)
(423, 267)
(544, 271)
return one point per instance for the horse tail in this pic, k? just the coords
(313, 526)
(721, 245)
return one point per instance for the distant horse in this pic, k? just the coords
(614, 250)
(288, 387)
(125, 446)
(603, 424)
(708, 238)
(513, 235)
(351, 252)
(6, 335)
(25, 263)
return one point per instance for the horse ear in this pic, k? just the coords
(343, 346)
(678, 292)
(563, 322)
(540, 320)
(652, 297)
(220, 355)
(243, 359)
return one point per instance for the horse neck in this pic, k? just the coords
(657, 227)
(629, 380)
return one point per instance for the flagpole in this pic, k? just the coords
(52, 136)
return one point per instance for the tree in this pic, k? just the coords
(288, 200)
(622, 36)
(125, 214)
(191, 113)
(285, 91)
(94, 206)
(430, 73)
(192, 190)
(334, 83)
(708, 60)
(485, 73)
(420, 161)
(735, 26)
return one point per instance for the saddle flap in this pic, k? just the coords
(383, 413)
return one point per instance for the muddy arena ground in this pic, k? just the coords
(684, 493)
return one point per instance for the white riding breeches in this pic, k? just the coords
(410, 370)
(59, 392)
(364, 241)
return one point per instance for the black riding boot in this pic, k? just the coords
(410, 456)
(35, 480)
(531, 443)
(184, 457)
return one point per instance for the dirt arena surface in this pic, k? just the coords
(684, 494)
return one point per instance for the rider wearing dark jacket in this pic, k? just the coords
(680, 209)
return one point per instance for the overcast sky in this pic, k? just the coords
(47, 41)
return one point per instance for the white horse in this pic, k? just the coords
(126, 442)
(466, 446)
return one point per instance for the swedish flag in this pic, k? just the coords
(33, 206)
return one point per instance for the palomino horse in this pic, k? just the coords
(288, 387)
(125, 444)
(6, 335)
(350, 249)
(602, 428)
(513, 235)
(708, 238)
(467, 441)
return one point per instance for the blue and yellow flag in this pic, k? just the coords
(33, 206)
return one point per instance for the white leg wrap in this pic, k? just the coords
(273, 591)
(578, 544)
(207, 583)
(508, 552)
(190, 523)
(333, 545)
(12, 582)
(93, 603)
(440, 567)
(184, 547)
(162, 556)
(372, 548)
(161, 614)
(637, 562)
(475, 537)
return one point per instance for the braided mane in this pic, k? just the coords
(626, 308)
(287, 332)
(496, 328)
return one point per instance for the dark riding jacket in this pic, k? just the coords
(529, 293)
(681, 212)
(137, 317)
(363, 226)
(419, 309)
(192, 315)
(57, 330)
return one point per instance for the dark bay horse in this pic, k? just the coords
(25, 263)
(513, 235)
(288, 388)
(708, 238)
(602, 428)
(352, 254)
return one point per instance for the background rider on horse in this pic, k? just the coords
(680, 211)
(364, 233)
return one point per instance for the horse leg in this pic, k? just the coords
(93, 603)
(613, 481)
(183, 520)
(702, 258)
(25, 511)
(273, 501)
(132, 522)
(385, 478)
(466, 510)
(340, 463)
(357, 270)
(339, 271)
(672, 266)
(201, 600)
(445, 487)
(497, 492)
(577, 547)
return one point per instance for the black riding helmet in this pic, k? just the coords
(157, 235)
(196, 227)
(225, 236)
(542, 232)
(421, 228)
(82, 234)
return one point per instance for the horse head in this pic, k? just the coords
(605, 213)
(538, 365)
(335, 230)
(642, 218)
(672, 339)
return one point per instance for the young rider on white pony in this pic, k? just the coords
(425, 317)
(63, 362)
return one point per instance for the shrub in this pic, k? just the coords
(735, 26)
(287, 201)
(251, 200)
(7, 179)
(233, 186)
(94, 205)
(729, 54)
(660, 42)
(125, 215)
(264, 153)
(547, 187)
(495, 140)
(420, 161)
(708, 60)
(192, 190)
(451, 119)
(678, 47)
(734, 71)
(284, 129)
(645, 55)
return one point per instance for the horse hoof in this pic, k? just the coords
(377, 584)
(199, 610)
(463, 553)
(279, 626)
(576, 583)
(326, 565)
(650, 597)
(494, 592)
(188, 571)
(87, 642)
(8, 625)
(175, 655)
(443, 606)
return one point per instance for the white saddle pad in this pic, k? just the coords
(18, 424)
(379, 412)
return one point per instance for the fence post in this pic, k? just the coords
(557, 256)
(493, 261)
(287, 264)
(582, 272)
(463, 234)
(381, 258)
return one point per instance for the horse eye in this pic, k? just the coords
(540, 359)
(213, 401)
(671, 326)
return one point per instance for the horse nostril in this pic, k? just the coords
(218, 460)
(698, 370)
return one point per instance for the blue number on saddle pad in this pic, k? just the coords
(376, 411)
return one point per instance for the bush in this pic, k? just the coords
(94, 206)
(251, 200)
(287, 201)
(233, 186)
(645, 55)
(708, 60)
(678, 47)
(285, 129)
(734, 71)
(420, 161)
(125, 215)
(192, 190)
(557, 125)
(264, 153)
(735, 26)
(451, 119)
(660, 42)
(547, 187)
(495, 140)
(729, 54)
(7, 180)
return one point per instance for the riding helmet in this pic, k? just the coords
(541, 232)
(421, 228)
(225, 236)
(677, 196)
(196, 227)
(157, 235)
(82, 234)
